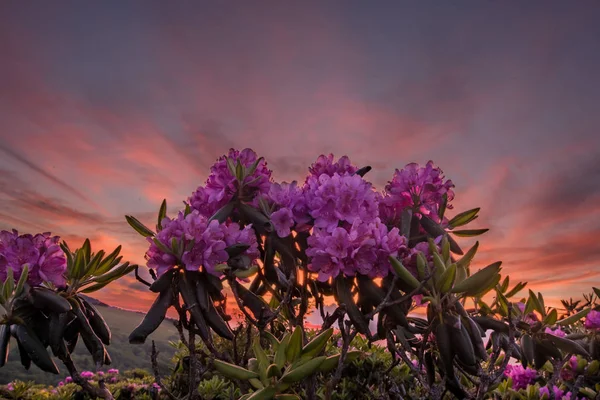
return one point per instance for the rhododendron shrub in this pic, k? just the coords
(330, 243)
(42, 283)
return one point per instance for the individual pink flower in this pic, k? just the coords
(521, 377)
(592, 320)
(556, 332)
(68, 379)
(113, 371)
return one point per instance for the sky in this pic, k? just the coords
(108, 107)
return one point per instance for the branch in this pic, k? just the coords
(139, 278)
(154, 359)
(100, 391)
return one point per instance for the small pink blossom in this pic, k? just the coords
(592, 321)
(556, 332)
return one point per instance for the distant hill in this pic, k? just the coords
(124, 355)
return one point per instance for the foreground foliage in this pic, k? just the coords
(412, 317)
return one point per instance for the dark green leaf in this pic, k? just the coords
(470, 232)
(463, 218)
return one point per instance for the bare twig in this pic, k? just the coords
(139, 278)
(154, 359)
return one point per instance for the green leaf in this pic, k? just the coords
(223, 213)
(442, 209)
(162, 213)
(463, 218)
(139, 227)
(317, 344)
(302, 371)
(551, 317)
(505, 283)
(465, 261)
(22, 280)
(122, 270)
(481, 279)
(597, 291)
(87, 251)
(447, 279)
(105, 265)
(78, 264)
(294, 347)
(518, 287)
(470, 232)
(536, 303)
(233, 371)
(254, 166)
(9, 283)
(574, 318)
(403, 274)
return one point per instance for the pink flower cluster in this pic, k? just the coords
(336, 199)
(325, 165)
(291, 209)
(361, 248)
(556, 332)
(222, 185)
(592, 320)
(559, 394)
(202, 243)
(420, 188)
(521, 377)
(41, 253)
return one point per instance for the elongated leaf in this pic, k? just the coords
(105, 264)
(518, 287)
(551, 317)
(303, 371)
(153, 318)
(162, 213)
(404, 274)
(317, 344)
(469, 232)
(443, 205)
(574, 318)
(294, 347)
(139, 227)
(233, 371)
(481, 279)
(34, 349)
(463, 218)
(223, 213)
(465, 261)
(22, 280)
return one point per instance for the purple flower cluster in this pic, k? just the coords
(521, 377)
(336, 199)
(42, 253)
(325, 165)
(556, 332)
(222, 185)
(291, 209)
(592, 320)
(421, 188)
(202, 243)
(559, 394)
(362, 248)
